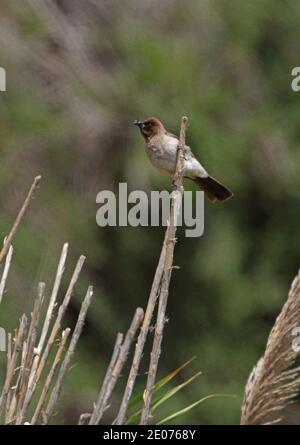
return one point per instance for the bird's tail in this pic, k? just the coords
(213, 189)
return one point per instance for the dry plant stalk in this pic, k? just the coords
(167, 270)
(23, 375)
(21, 391)
(51, 306)
(16, 397)
(43, 348)
(60, 350)
(69, 354)
(114, 370)
(142, 338)
(19, 218)
(274, 382)
(5, 271)
(12, 362)
(92, 418)
(57, 324)
(7, 247)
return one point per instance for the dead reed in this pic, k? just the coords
(275, 380)
(28, 351)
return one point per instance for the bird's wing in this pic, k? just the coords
(192, 164)
(188, 151)
(172, 135)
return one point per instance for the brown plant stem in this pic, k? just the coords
(19, 218)
(5, 271)
(12, 360)
(60, 350)
(40, 361)
(68, 357)
(142, 338)
(31, 338)
(114, 373)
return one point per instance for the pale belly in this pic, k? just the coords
(164, 161)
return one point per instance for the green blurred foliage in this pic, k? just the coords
(77, 76)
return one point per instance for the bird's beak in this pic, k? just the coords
(138, 123)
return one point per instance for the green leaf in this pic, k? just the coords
(139, 397)
(173, 391)
(189, 407)
(163, 398)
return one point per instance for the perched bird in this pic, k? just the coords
(161, 148)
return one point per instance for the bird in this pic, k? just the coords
(161, 148)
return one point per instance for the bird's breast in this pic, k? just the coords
(162, 154)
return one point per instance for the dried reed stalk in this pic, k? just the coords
(5, 271)
(19, 218)
(59, 353)
(17, 397)
(275, 380)
(52, 303)
(36, 360)
(167, 270)
(142, 338)
(98, 410)
(23, 376)
(115, 368)
(57, 324)
(12, 361)
(7, 247)
(69, 354)
(25, 370)
(41, 356)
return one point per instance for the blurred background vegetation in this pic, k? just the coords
(78, 74)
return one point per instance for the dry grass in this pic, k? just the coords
(274, 382)
(28, 351)
(28, 355)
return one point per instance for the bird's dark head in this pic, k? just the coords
(150, 127)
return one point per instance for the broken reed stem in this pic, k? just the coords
(167, 269)
(52, 303)
(60, 350)
(51, 306)
(17, 396)
(16, 399)
(25, 389)
(16, 390)
(84, 418)
(98, 406)
(113, 374)
(61, 312)
(5, 271)
(69, 354)
(142, 338)
(12, 361)
(19, 218)
(7, 408)
(40, 362)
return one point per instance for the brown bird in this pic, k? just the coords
(161, 148)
